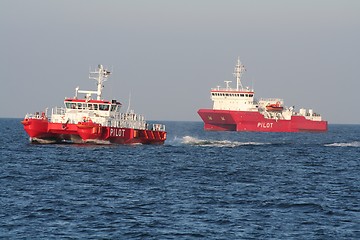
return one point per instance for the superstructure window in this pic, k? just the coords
(70, 105)
(104, 107)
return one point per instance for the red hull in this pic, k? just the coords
(41, 129)
(223, 120)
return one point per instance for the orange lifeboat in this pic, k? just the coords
(274, 107)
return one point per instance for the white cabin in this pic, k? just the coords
(236, 99)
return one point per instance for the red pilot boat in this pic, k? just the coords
(238, 110)
(83, 120)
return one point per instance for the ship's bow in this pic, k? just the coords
(36, 127)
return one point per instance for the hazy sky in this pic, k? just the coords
(169, 54)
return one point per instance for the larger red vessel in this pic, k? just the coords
(92, 120)
(238, 110)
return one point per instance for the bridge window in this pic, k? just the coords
(68, 105)
(104, 107)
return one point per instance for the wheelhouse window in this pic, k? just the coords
(79, 106)
(68, 105)
(104, 107)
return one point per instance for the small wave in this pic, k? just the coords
(350, 144)
(99, 142)
(41, 141)
(215, 143)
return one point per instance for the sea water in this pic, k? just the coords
(198, 185)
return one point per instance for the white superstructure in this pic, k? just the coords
(236, 99)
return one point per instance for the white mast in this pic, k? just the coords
(100, 76)
(128, 109)
(239, 69)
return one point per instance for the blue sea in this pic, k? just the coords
(198, 185)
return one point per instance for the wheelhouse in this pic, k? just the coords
(92, 105)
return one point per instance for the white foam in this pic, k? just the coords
(100, 142)
(350, 144)
(215, 143)
(42, 141)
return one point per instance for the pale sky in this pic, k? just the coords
(169, 54)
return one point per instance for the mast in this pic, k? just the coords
(239, 70)
(100, 76)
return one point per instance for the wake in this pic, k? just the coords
(188, 140)
(351, 144)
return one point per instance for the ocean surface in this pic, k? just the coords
(198, 185)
